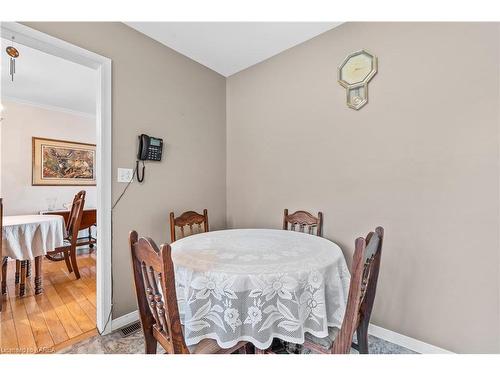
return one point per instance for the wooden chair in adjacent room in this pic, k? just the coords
(67, 252)
(364, 276)
(159, 313)
(303, 221)
(188, 219)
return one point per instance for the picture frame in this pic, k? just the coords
(58, 162)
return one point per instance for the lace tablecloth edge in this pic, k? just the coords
(225, 345)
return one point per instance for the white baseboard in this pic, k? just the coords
(385, 334)
(124, 320)
(405, 341)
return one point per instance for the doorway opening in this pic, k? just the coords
(69, 121)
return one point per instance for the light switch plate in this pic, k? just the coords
(125, 174)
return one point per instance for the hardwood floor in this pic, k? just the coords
(62, 315)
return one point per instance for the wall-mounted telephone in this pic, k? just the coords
(150, 148)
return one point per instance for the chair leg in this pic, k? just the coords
(4, 276)
(74, 264)
(28, 268)
(38, 275)
(150, 343)
(91, 246)
(18, 270)
(67, 261)
(22, 284)
(362, 335)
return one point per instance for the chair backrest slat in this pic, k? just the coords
(149, 291)
(364, 277)
(75, 217)
(188, 219)
(162, 314)
(157, 305)
(303, 220)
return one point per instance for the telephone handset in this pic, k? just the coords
(150, 148)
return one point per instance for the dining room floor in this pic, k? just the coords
(115, 343)
(65, 313)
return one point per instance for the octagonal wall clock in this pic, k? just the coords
(354, 73)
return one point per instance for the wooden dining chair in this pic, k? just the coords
(188, 219)
(67, 252)
(158, 309)
(364, 276)
(300, 220)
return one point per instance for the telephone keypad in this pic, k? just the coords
(154, 153)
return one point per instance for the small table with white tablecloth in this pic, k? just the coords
(258, 284)
(28, 237)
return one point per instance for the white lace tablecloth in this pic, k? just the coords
(258, 284)
(28, 236)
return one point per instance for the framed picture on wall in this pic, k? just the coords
(63, 163)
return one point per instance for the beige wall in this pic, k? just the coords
(22, 122)
(421, 159)
(162, 93)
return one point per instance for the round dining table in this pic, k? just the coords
(30, 237)
(258, 284)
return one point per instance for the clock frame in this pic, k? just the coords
(357, 69)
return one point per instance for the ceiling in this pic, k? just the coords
(47, 80)
(229, 47)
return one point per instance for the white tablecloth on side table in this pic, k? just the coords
(257, 284)
(28, 236)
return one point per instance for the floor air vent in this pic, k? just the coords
(130, 329)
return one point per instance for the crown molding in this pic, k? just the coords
(13, 99)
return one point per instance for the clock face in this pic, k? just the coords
(357, 68)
